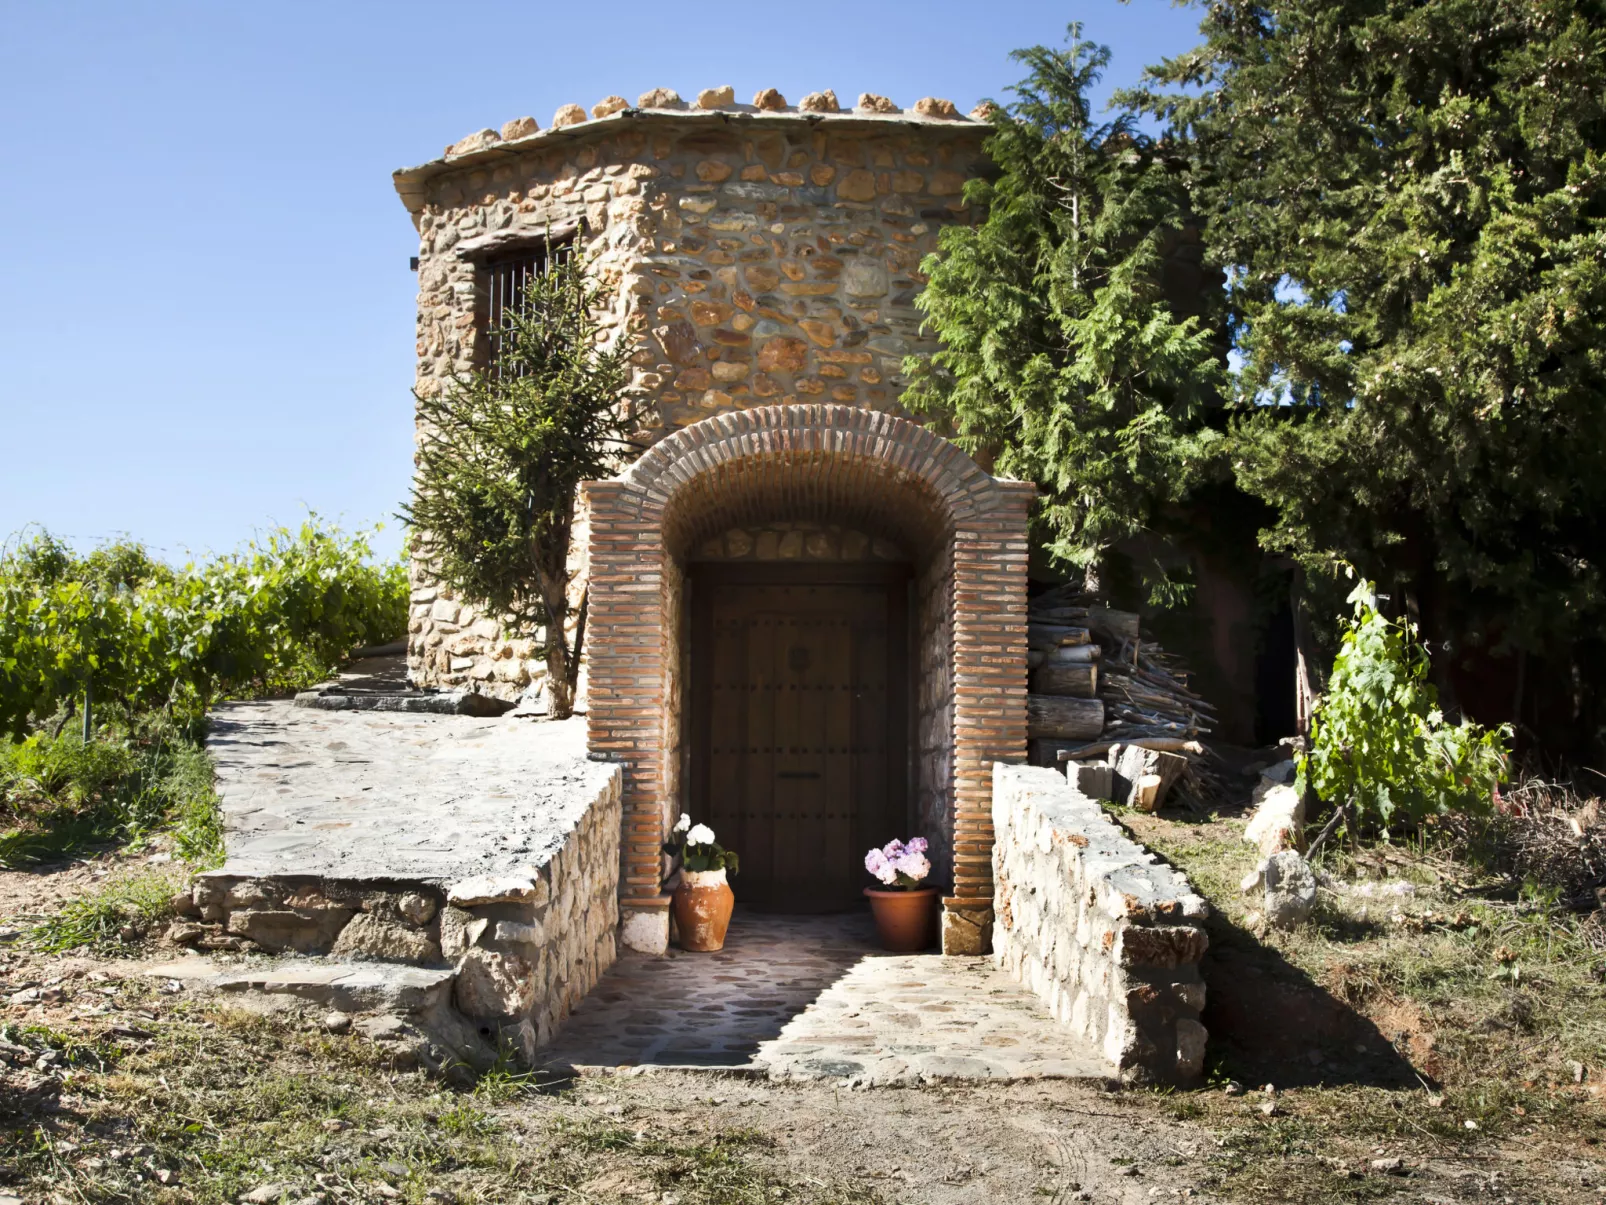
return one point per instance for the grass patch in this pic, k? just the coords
(59, 795)
(214, 1104)
(119, 915)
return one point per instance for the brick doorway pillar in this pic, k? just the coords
(824, 463)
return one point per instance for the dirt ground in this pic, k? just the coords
(114, 1087)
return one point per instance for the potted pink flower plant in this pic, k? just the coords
(905, 912)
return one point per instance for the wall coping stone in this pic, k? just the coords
(412, 183)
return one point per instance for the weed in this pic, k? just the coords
(118, 914)
(59, 795)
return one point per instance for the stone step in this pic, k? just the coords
(343, 986)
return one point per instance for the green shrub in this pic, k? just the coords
(279, 614)
(1380, 747)
(58, 795)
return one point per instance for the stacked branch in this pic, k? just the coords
(1096, 684)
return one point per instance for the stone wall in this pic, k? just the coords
(1088, 919)
(759, 256)
(525, 947)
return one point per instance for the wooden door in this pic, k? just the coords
(800, 702)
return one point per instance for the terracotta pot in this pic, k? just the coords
(703, 903)
(906, 921)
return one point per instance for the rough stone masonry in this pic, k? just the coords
(759, 254)
(1088, 919)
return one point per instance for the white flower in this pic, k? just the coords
(700, 835)
(683, 823)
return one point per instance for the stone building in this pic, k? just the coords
(807, 611)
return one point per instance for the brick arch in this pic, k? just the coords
(828, 463)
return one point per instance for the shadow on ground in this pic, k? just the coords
(1269, 1021)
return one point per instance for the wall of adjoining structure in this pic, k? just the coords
(526, 947)
(758, 258)
(1089, 920)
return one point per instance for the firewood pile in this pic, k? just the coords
(1100, 693)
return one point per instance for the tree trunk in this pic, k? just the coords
(552, 579)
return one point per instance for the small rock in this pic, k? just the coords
(476, 141)
(337, 1023)
(872, 103)
(1392, 1166)
(1233, 1088)
(1290, 889)
(935, 106)
(820, 102)
(608, 106)
(395, 1170)
(769, 99)
(716, 98)
(660, 98)
(1269, 1108)
(266, 1194)
(520, 127)
(335, 1125)
(984, 111)
(568, 115)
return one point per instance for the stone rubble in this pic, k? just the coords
(1278, 821)
(1287, 886)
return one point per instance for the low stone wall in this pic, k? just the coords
(525, 946)
(1090, 921)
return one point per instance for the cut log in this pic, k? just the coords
(1135, 766)
(1065, 654)
(1119, 625)
(1081, 752)
(1076, 680)
(1055, 634)
(1146, 793)
(1057, 718)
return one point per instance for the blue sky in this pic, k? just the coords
(205, 308)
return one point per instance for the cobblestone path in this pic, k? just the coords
(812, 998)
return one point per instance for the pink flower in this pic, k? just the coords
(877, 863)
(917, 845)
(913, 865)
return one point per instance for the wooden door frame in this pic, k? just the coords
(705, 577)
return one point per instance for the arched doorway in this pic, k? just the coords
(820, 469)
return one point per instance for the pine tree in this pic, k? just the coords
(1409, 199)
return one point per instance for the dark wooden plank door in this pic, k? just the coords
(800, 696)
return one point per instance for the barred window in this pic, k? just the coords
(504, 282)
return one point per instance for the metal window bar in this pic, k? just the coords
(507, 280)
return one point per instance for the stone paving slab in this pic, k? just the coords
(813, 998)
(371, 795)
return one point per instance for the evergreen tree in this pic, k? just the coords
(1064, 361)
(505, 450)
(1409, 201)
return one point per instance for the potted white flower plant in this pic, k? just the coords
(905, 912)
(703, 899)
